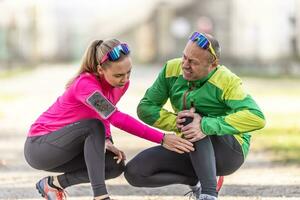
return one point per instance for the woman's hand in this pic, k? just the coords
(120, 155)
(174, 143)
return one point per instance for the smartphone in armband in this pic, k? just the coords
(101, 104)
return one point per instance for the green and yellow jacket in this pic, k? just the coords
(219, 98)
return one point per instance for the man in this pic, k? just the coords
(222, 115)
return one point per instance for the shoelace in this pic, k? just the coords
(190, 194)
(61, 194)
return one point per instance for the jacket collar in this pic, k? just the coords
(202, 81)
(104, 83)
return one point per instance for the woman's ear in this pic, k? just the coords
(100, 69)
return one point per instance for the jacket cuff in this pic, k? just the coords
(109, 138)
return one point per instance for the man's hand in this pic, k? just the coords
(184, 117)
(120, 155)
(174, 143)
(192, 131)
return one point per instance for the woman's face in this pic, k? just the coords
(118, 73)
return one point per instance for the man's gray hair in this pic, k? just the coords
(215, 44)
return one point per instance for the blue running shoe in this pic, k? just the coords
(50, 192)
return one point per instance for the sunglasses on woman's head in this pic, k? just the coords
(115, 53)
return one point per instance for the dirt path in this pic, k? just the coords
(23, 97)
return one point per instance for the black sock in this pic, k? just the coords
(50, 182)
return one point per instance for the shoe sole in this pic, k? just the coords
(40, 190)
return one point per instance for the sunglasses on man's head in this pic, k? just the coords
(115, 53)
(203, 42)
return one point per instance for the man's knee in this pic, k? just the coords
(132, 175)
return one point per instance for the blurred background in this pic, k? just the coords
(42, 42)
(261, 36)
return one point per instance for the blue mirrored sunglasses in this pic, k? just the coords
(203, 42)
(115, 53)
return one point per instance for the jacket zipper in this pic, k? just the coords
(191, 87)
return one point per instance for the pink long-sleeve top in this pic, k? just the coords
(72, 106)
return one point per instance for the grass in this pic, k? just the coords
(282, 143)
(279, 99)
(6, 97)
(10, 73)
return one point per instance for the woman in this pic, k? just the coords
(72, 135)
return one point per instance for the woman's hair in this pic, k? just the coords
(93, 55)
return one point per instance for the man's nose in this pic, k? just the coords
(185, 64)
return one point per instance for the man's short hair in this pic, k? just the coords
(215, 45)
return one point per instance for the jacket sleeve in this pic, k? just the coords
(150, 109)
(244, 115)
(83, 89)
(106, 124)
(131, 125)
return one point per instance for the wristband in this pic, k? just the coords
(162, 140)
(110, 138)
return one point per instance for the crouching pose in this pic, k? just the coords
(222, 116)
(73, 136)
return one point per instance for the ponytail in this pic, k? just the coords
(92, 57)
(89, 62)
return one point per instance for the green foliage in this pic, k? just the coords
(9, 73)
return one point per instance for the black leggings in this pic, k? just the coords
(77, 150)
(213, 156)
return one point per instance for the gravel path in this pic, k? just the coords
(24, 97)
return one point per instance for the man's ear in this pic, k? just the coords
(215, 63)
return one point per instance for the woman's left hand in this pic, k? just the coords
(120, 155)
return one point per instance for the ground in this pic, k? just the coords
(23, 97)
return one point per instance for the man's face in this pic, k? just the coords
(196, 62)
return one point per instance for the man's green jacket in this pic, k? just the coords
(219, 98)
